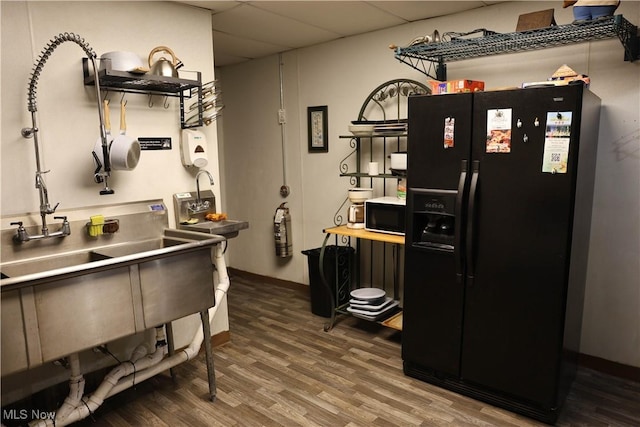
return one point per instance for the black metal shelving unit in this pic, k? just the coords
(431, 58)
(150, 84)
(388, 102)
(359, 174)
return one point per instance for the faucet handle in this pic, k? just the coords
(66, 227)
(21, 234)
(53, 209)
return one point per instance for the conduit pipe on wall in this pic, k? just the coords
(284, 189)
(136, 370)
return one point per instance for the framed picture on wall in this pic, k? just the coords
(317, 121)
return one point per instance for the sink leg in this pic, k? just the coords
(211, 373)
(169, 330)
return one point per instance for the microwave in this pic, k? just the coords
(385, 215)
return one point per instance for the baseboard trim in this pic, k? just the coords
(267, 279)
(608, 367)
(220, 338)
(584, 360)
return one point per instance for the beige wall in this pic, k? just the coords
(341, 74)
(68, 118)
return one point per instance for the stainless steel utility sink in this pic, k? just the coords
(183, 204)
(228, 228)
(55, 305)
(70, 263)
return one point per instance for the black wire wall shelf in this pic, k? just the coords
(149, 84)
(431, 58)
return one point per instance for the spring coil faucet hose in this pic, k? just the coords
(44, 56)
(32, 106)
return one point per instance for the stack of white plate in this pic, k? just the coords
(391, 128)
(370, 303)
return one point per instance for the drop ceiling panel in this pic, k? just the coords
(417, 10)
(214, 6)
(253, 29)
(229, 44)
(224, 59)
(338, 17)
(260, 25)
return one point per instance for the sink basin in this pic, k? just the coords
(54, 262)
(55, 305)
(228, 228)
(50, 264)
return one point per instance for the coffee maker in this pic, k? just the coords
(355, 213)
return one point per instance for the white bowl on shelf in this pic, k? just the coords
(360, 194)
(368, 293)
(122, 61)
(361, 129)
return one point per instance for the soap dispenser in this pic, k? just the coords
(193, 148)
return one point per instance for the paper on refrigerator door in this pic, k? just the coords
(449, 132)
(499, 130)
(556, 142)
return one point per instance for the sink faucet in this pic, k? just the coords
(22, 236)
(199, 205)
(32, 132)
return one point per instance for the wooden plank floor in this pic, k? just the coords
(280, 368)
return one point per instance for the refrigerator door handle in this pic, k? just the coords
(471, 220)
(457, 245)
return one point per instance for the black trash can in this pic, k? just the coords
(335, 257)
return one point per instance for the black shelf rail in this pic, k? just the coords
(375, 135)
(122, 81)
(366, 175)
(150, 84)
(431, 58)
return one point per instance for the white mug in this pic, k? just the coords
(373, 168)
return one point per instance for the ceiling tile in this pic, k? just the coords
(260, 25)
(338, 17)
(214, 6)
(417, 10)
(222, 59)
(253, 29)
(229, 44)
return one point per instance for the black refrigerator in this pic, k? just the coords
(499, 200)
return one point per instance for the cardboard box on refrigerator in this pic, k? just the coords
(456, 86)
